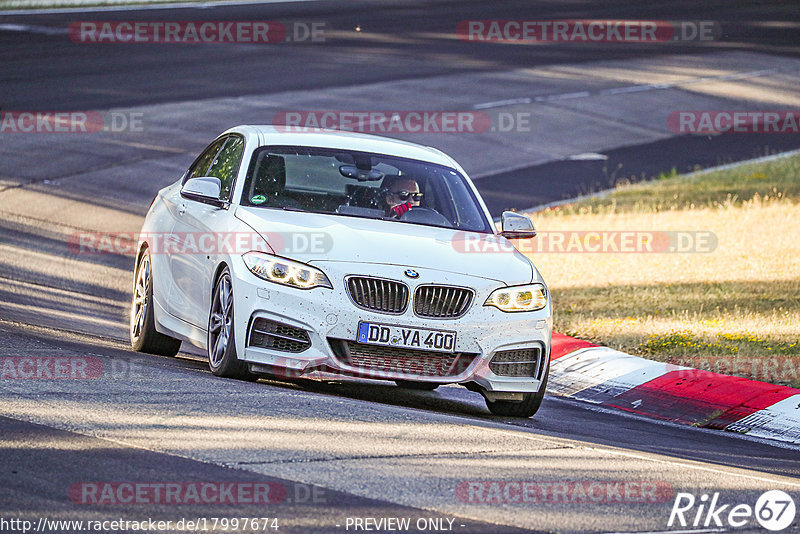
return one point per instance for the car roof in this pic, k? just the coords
(269, 134)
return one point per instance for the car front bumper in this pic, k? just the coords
(330, 319)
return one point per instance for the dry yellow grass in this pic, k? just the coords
(735, 309)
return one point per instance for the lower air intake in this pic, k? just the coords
(518, 363)
(411, 362)
(273, 335)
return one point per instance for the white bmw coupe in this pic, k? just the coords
(286, 254)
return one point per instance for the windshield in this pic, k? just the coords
(361, 184)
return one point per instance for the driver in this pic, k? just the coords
(402, 194)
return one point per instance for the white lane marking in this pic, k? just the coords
(501, 103)
(629, 89)
(587, 156)
(563, 96)
(74, 8)
(29, 28)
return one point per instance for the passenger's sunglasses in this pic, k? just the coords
(405, 195)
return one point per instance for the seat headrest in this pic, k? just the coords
(270, 175)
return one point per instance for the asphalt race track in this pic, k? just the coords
(587, 115)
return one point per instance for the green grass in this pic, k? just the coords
(670, 191)
(734, 310)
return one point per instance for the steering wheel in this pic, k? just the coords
(418, 214)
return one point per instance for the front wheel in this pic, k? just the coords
(143, 333)
(527, 407)
(222, 358)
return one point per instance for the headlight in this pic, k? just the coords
(285, 272)
(529, 297)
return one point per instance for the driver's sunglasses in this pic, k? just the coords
(405, 195)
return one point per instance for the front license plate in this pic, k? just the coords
(408, 338)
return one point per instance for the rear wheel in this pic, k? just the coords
(527, 407)
(143, 333)
(419, 386)
(222, 358)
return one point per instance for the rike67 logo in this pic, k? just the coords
(774, 510)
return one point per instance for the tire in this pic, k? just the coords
(419, 386)
(143, 333)
(524, 408)
(221, 351)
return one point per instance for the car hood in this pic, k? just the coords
(313, 237)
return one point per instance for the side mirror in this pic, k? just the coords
(516, 226)
(204, 189)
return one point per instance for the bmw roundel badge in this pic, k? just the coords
(411, 273)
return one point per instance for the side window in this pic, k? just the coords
(200, 167)
(226, 165)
